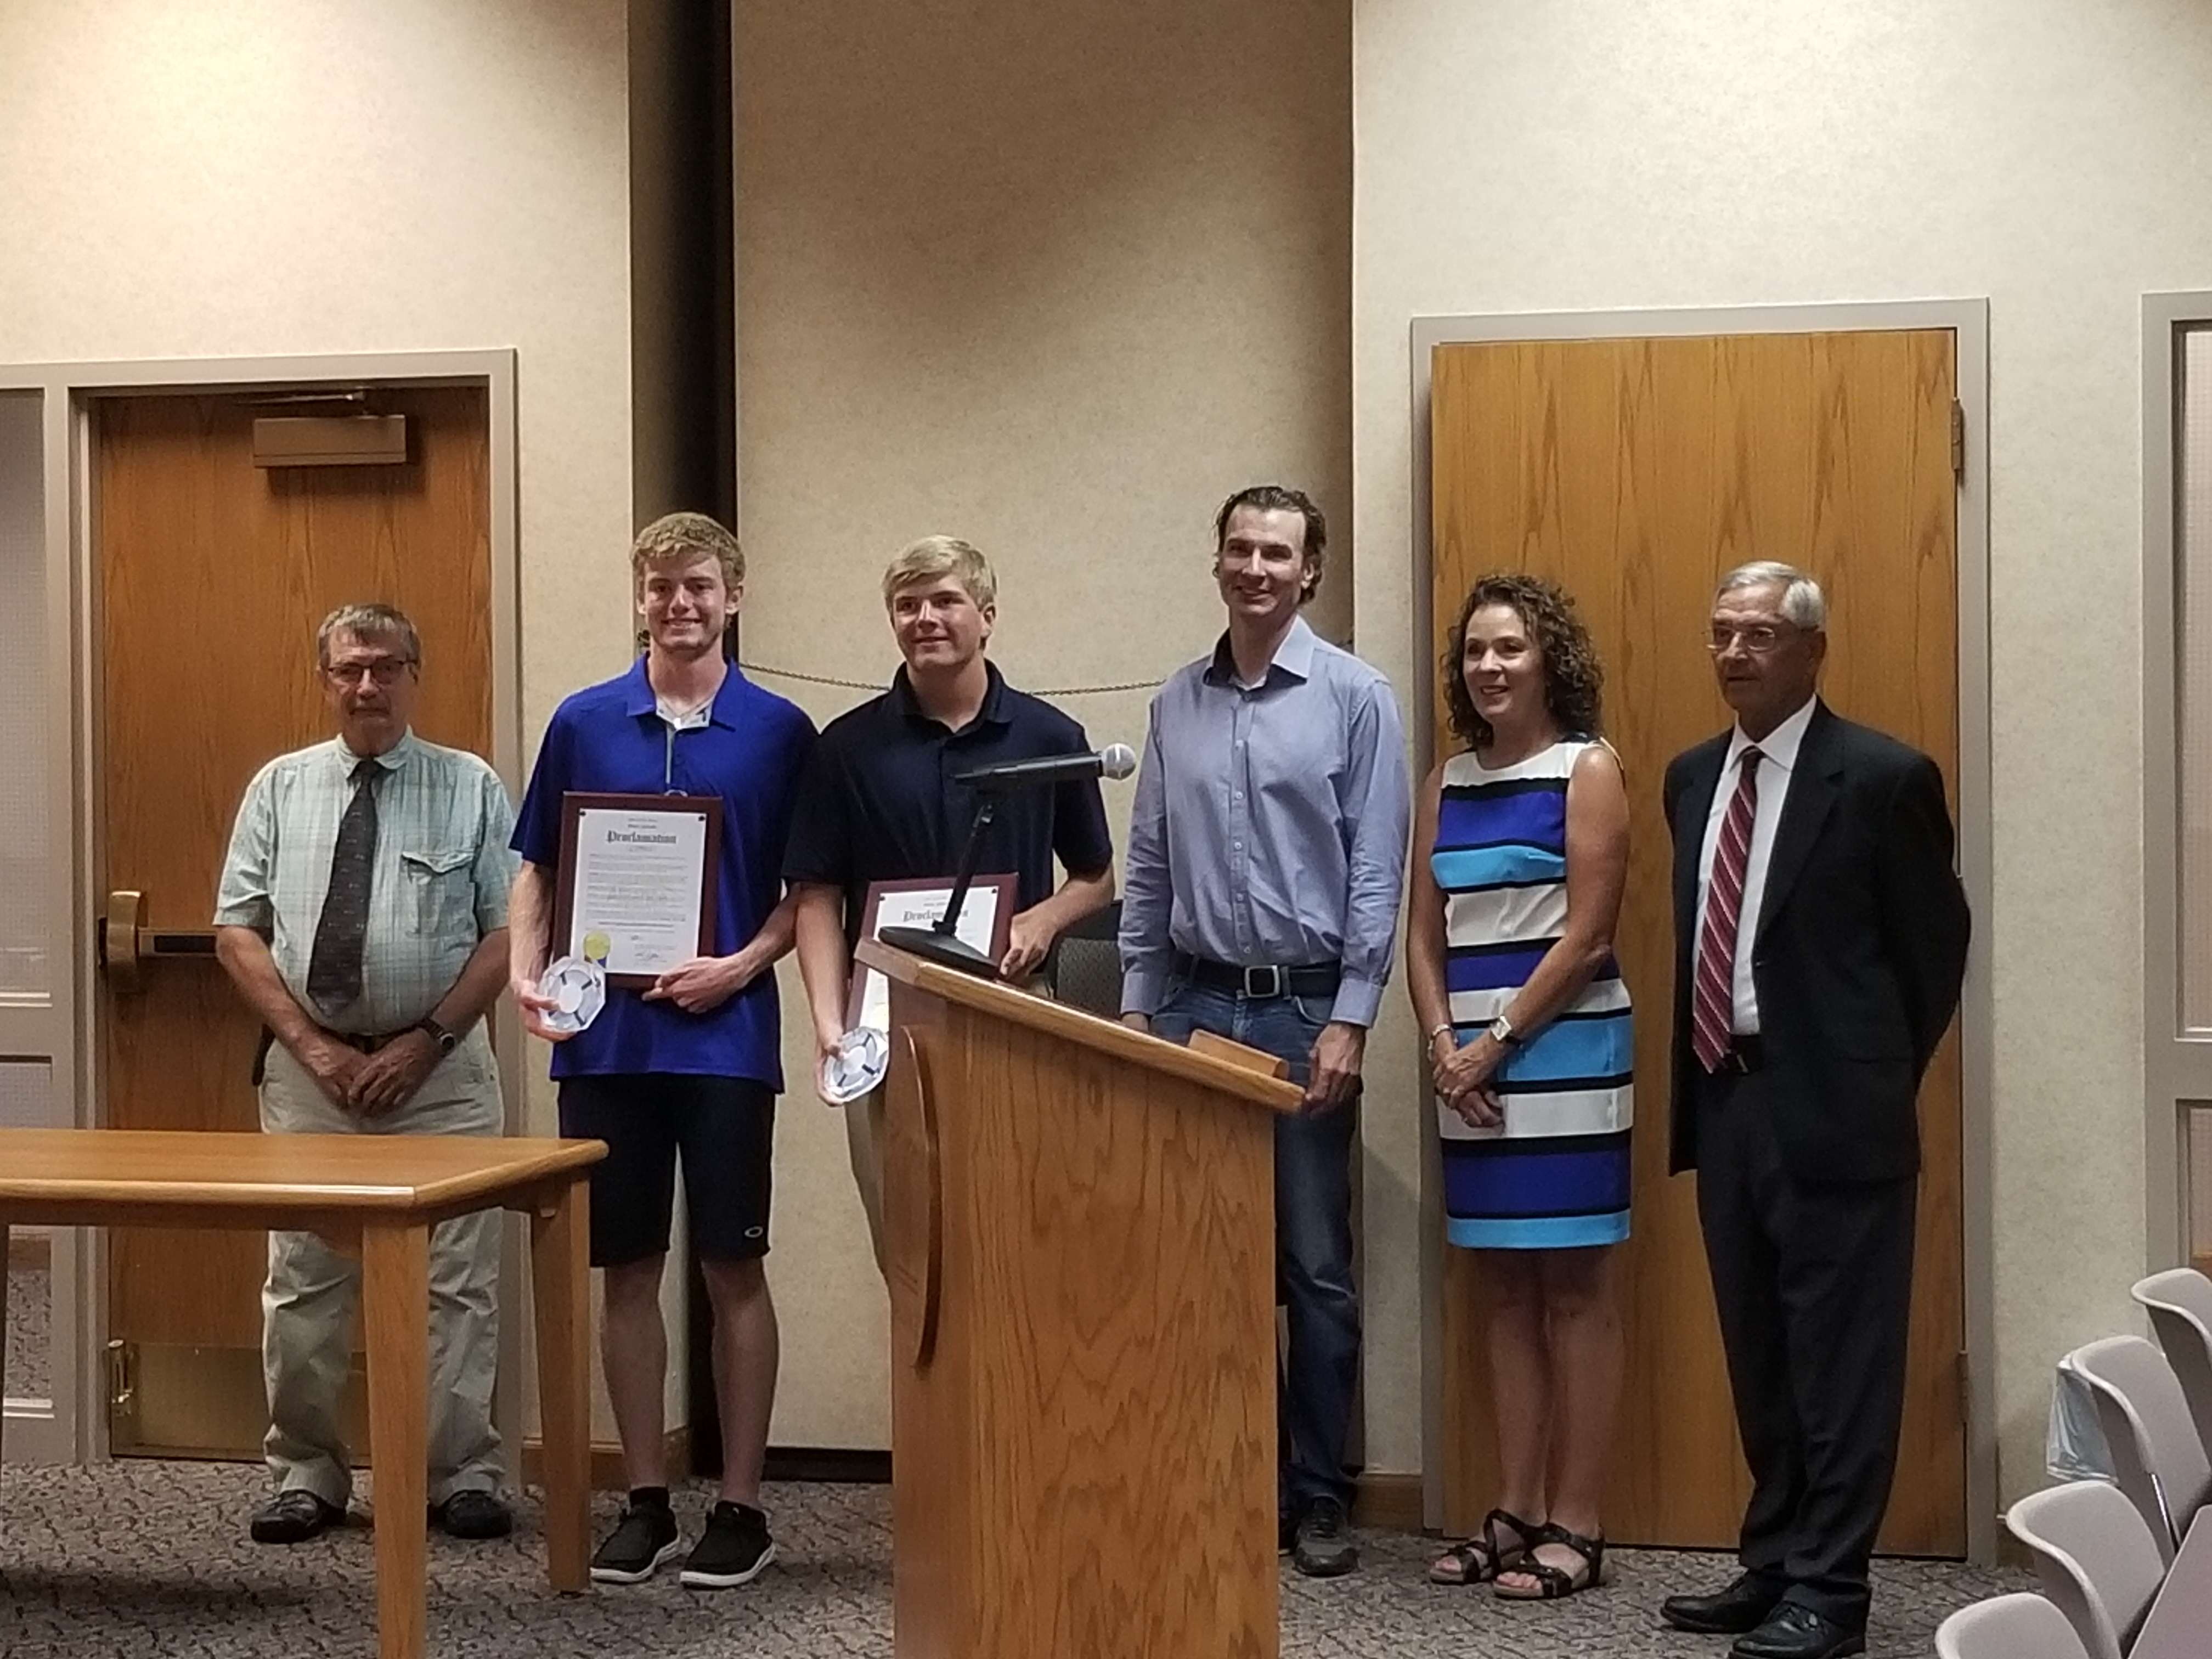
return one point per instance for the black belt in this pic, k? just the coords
(1315, 979)
(1746, 1054)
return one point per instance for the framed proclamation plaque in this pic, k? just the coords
(635, 887)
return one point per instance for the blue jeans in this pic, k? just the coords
(1313, 1236)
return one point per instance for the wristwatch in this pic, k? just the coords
(1502, 1034)
(437, 1034)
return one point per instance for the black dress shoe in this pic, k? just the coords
(472, 1513)
(1743, 1606)
(294, 1517)
(1794, 1632)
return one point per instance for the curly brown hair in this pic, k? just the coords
(1574, 680)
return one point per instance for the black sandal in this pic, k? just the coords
(1481, 1559)
(1555, 1583)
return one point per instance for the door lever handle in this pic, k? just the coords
(125, 943)
(119, 940)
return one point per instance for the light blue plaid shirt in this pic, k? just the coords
(438, 886)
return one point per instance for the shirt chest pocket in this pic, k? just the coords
(438, 899)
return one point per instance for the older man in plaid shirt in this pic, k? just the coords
(362, 915)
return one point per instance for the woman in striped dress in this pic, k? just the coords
(1521, 854)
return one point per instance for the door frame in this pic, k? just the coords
(78, 1429)
(1968, 321)
(2177, 1062)
(46, 1025)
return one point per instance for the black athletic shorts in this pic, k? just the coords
(725, 1128)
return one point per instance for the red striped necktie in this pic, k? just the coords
(1712, 1002)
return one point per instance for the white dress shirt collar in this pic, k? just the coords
(1778, 747)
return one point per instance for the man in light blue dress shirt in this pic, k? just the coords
(1266, 851)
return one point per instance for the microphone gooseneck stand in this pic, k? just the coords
(939, 943)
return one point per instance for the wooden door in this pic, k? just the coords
(213, 574)
(1634, 472)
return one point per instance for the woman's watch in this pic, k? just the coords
(1502, 1034)
(437, 1034)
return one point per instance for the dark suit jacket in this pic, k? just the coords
(1859, 946)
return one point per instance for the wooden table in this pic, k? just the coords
(378, 1195)
(2180, 1617)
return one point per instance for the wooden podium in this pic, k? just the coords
(1080, 1235)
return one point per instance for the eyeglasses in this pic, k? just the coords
(1757, 638)
(385, 671)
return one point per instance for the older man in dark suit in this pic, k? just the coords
(1821, 937)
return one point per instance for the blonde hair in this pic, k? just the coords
(943, 556)
(689, 536)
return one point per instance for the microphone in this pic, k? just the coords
(940, 943)
(1115, 760)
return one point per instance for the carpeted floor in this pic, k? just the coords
(152, 1560)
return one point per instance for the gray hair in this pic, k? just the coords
(1802, 602)
(369, 622)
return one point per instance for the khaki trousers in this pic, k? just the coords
(864, 1139)
(307, 1304)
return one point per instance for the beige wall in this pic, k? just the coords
(269, 178)
(1713, 152)
(1057, 279)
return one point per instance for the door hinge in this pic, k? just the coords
(122, 1379)
(1958, 438)
(1965, 1387)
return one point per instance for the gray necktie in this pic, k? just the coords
(334, 970)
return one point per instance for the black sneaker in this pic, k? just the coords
(294, 1517)
(472, 1513)
(1323, 1549)
(643, 1542)
(731, 1550)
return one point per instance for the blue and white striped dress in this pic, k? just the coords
(1556, 1174)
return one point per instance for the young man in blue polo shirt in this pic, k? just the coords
(693, 1063)
(878, 804)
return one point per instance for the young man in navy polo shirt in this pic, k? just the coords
(693, 1063)
(878, 804)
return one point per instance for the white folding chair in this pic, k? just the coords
(2157, 1457)
(2180, 1302)
(2019, 1626)
(2097, 1558)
